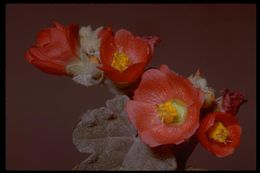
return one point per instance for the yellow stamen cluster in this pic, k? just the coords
(120, 61)
(167, 112)
(219, 133)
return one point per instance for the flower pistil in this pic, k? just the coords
(171, 112)
(219, 133)
(120, 61)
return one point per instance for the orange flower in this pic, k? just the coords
(55, 48)
(219, 133)
(165, 108)
(124, 56)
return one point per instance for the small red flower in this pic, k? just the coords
(165, 108)
(219, 133)
(55, 48)
(231, 101)
(124, 56)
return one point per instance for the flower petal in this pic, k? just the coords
(131, 74)
(122, 37)
(183, 88)
(58, 25)
(141, 115)
(52, 67)
(107, 46)
(136, 48)
(235, 134)
(231, 101)
(154, 88)
(73, 37)
(43, 38)
(221, 151)
(152, 41)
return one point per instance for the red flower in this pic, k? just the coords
(231, 101)
(124, 56)
(165, 108)
(54, 49)
(219, 133)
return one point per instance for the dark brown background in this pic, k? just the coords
(42, 110)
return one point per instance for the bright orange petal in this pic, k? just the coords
(235, 134)
(141, 114)
(154, 88)
(221, 151)
(183, 88)
(131, 74)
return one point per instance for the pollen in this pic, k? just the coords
(219, 133)
(120, 61)
(167, 112)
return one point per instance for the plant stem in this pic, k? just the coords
(183, 152)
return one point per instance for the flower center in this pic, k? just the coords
(120, 61)
(219, 133)
(171, 112)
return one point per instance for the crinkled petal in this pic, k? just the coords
(231, 101)
(152, 41)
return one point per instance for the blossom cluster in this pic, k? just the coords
(164, 107)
